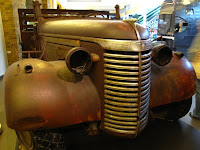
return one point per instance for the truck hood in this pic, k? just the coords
(109, 29)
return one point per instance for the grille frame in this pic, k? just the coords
(126, 114)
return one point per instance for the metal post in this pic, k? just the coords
(117, 12)
(38, 12)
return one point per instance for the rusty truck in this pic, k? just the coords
(94, 71)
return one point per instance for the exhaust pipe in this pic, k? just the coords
(162, 54)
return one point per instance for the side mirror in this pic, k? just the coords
(162, 54)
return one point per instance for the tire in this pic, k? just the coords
(25, 141)
(173, 111)
(40, 140)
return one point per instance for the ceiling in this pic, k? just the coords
(109, 5)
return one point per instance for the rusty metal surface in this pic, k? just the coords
(161, 54)
(144, 34)
(110, 44)
(28, 22)
(126, 102)
(109, 29)
(48, 97)
(27, 15)
(79, 60)
(97, 71)
(116, 89)
(172, 83)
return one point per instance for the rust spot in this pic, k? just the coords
(90, 118)
(29, 122)
(18, 70)
(99, 115)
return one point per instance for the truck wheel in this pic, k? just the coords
(172, 111)
(25, 140)
(40, 140)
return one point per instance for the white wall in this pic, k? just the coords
(3, 54)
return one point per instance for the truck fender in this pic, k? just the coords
(172, 83)
(41, 94)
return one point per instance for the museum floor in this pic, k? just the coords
(160, 135)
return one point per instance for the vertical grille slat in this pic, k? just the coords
(126, 91)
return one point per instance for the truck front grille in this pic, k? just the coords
(127, 91)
